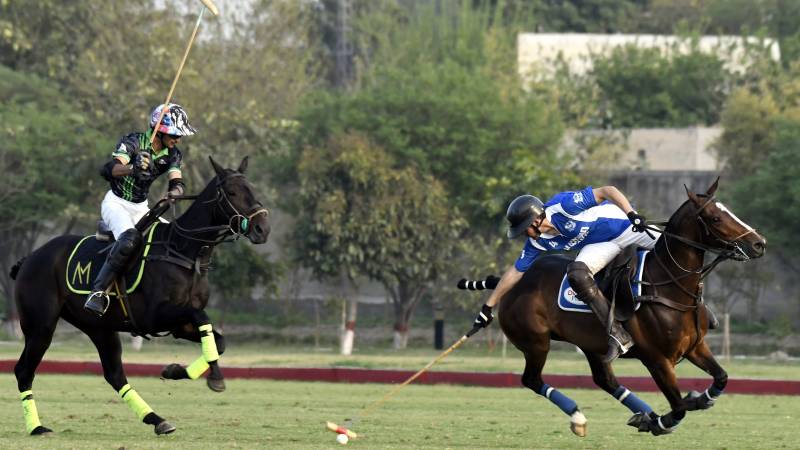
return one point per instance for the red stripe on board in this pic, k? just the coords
(496, 379)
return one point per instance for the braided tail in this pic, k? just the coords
(478, 285)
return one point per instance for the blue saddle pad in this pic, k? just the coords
(568, 301)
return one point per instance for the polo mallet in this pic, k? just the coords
(207, 4)
(369, 408)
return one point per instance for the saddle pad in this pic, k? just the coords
(88, 257)
(568, 301)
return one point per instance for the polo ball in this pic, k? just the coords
(342, 439)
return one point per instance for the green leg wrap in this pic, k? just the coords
(135, 402)
(197, 368)
(208, 344)
(29, 410)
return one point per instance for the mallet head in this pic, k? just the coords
(340, 430)
(211, 7)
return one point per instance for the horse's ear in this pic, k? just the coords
(243, 165)
(713, 188)
(692, 196)
(217, 168)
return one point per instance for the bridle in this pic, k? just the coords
(729, 248)
(238, 223)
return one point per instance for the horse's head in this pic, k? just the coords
(723, 230)
(236, 196)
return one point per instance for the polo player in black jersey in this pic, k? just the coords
(133, 167)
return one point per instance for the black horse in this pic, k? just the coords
(170, 298)
(670, 324)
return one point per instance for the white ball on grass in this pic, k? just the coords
(342, 439)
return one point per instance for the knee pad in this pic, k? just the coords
(129, 242)
(581, 280)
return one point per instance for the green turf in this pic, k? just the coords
(473, 356)
(86, 413)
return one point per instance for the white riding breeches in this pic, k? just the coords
(596, 256)
(120, 215)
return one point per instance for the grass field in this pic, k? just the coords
(470, 357)
(86, 413)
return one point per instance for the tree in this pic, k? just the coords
(49, 153)
(767, 197)
(644, 88)
(362, 216)
(238, 271)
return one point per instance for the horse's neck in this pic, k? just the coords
(679, 257)
(201, 213)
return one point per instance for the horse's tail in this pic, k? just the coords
(15, 270)
(473, 285)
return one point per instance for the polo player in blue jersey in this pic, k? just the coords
(598, 222)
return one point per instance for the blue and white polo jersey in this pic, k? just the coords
(580, 222)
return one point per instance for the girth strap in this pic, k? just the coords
(666, 302)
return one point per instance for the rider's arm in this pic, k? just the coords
(613, 195)
(509, 279)
(120, 168)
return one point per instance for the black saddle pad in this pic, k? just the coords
(88, 257)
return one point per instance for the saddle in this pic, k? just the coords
(616, 282)
(88, 256)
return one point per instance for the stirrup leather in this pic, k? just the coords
(103, 297)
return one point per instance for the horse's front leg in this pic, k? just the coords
(663, 374)
(212, 344)
(702, 357)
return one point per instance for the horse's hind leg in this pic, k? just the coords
(702, 357)
(37, 341)
(110, 350)
(603, 376)
(535, 357)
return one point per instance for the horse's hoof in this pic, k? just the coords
(174, 372)
(641, 421)
(697, 400)
(164, 428)
(578, 424)
(41, 431)
(216, 384)
(579, 430)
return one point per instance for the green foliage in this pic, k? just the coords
(644, 88)
(238, 271)
(49, 163)
(361, 216)
(435, 99)
(768, 197)
(748, 131)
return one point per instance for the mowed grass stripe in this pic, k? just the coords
(86, 413)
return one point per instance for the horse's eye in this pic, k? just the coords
(231, 193)
(716, 219)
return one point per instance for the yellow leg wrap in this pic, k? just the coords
(29, 410)
(197, 368)
(207, 343)
(135, 402)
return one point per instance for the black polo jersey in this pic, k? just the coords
(128, 187)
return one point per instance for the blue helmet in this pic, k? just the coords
(174, 122)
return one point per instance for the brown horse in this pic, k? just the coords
(670, 324)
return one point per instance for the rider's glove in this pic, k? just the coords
(484, 318)
(639, 222)
(142, 161)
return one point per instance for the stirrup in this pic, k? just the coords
(92, 306)
(616, 349)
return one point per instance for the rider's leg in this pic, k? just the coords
(581, 280)
(118, 258)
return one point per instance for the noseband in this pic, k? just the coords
(243, 219)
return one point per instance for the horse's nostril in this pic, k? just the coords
(258, 229)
